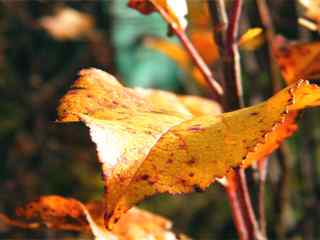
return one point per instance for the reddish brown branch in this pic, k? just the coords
(232, 68)
(252, 224)
(197, 59)
(268, 26)
(234, 100)
(266, 20)
(263, 167)
(235, 205)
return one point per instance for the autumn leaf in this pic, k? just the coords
(199, 16)
(311, 9)
(56, 212)
(252, 39)
(175, 10)
(147, 148)
(67, 24)
(187, 105)
(179, 55)
(298, 60)
(202, 40)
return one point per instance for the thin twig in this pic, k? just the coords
(232, 68)
(220, 23)
(252, 224)
(237, 215)
(263, 169)
(282, 198)
(282, 152)
(268, 26)
(235, 101)
(233, 98)
(274, 75)
(197, 59)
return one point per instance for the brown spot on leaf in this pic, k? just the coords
(195, 128)
(169, 161)
(144, 177)
(191, 161)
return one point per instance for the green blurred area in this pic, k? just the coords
(39, 156)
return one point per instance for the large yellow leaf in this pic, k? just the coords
(56, 212)
(146, 148)
(298, 60)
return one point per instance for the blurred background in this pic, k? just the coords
(44, 44)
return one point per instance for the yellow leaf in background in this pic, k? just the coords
(200, 106)
(199, 16)
(298, 60)
(172, 50)
(308, 24)
(146, 148)
(252, 39)
(176, 10)
(203, 42)
(56, 212)
(187, 105)
(312, 9)
(67, 24)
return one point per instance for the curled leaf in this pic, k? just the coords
(175, 10)
(252, 39)
(56, 212)
(146, 148)
(298, 60)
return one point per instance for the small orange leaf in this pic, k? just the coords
(175, 10)
(202, 40)
(199, 16)
(252, 39)
(56, 212)
(143, 6)
(146, 148)
(298, 60)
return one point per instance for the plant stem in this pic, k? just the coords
(234, 100)
(282, 155)
(268, 26)
(220, 24)
(237, 215)
(232, 68)
(263, 168)
(283, 191)
(197, 59)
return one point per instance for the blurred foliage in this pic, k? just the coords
(41, 157)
